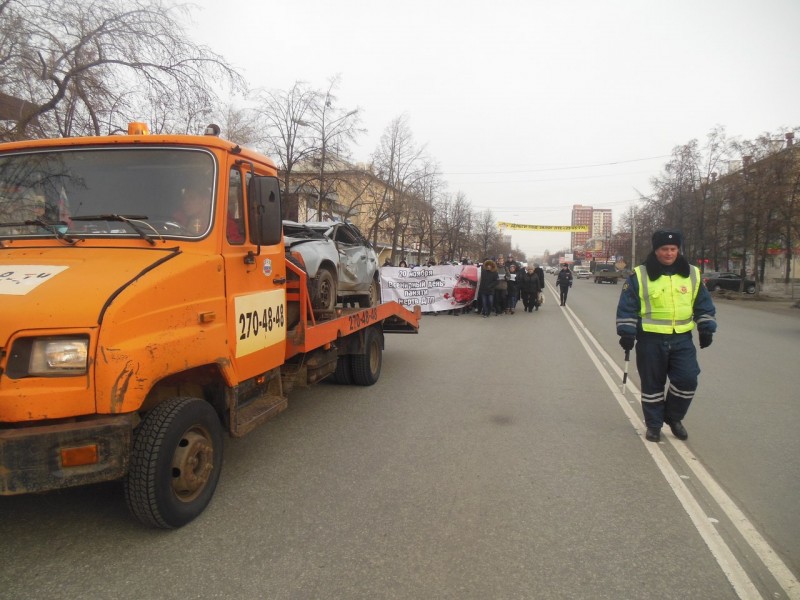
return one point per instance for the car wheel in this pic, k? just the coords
(750, 289)
(325, 290)
(373, 298)
(713, 287)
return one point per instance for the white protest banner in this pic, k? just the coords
(437, 288)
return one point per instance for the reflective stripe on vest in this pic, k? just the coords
(676, 314)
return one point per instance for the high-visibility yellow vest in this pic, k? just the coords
(666, 304)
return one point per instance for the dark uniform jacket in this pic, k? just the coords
(564, 278)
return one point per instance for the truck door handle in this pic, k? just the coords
(279, 280)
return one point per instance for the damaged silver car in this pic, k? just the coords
(341, 263)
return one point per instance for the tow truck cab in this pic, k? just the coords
(144, 309)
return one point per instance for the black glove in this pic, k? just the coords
(706, 339)
(627, 342)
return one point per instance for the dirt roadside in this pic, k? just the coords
(764, 301)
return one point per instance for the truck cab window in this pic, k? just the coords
(235, 218)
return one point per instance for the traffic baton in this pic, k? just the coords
(625, 373)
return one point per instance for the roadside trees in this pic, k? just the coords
(91, 67)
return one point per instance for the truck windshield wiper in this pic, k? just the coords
(135, 221)
(52, 228)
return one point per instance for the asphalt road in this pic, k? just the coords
(495, 458)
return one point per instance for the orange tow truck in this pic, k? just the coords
(148, 306)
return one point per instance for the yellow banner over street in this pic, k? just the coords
(570, 228)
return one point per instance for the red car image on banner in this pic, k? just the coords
(434, 289)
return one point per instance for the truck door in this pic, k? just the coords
(255, 276)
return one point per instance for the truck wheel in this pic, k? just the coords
(175, 463)
(343, 375)
(325, 290)
(367, 367)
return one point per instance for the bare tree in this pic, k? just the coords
(486, 233)
(333, 128)
(288, 134)
(422, 218)
(89, 67)
(239, 125)
(399, 163)
(455, 215)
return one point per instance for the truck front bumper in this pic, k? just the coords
(31, 457)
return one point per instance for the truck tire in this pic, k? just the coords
(343, 375)
(366, 367)
(175, 463)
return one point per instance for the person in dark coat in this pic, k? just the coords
(540, 274)
(501, 289)
(512, 287)
(564, 282)
(487, 286)
(529, 289)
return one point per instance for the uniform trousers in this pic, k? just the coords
(660, 358)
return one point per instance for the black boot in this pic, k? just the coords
(653, 434)
(678, 430)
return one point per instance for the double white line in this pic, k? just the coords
(733, 570)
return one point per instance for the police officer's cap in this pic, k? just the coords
(667, 237)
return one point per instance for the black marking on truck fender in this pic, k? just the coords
(120, 387)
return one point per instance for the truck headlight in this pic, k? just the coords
(48, 357)
(61, 356)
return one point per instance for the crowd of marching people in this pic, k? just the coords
(503, 283)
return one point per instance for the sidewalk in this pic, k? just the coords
(773, 296)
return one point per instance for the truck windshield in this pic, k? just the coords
(105, 192)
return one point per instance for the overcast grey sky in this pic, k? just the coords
(531, 106)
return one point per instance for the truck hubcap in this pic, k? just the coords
(192, 464)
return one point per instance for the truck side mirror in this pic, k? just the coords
(264, 201)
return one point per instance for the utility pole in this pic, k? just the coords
(633, 237)
(746, 177)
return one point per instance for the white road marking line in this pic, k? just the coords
(733, 570)
(774, 564)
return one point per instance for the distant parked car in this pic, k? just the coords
(582, 273)
(340, 262)
(727, 281)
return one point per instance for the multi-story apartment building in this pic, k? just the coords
(599, 234)
(581, 215)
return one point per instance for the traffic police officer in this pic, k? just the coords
(658, 308)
